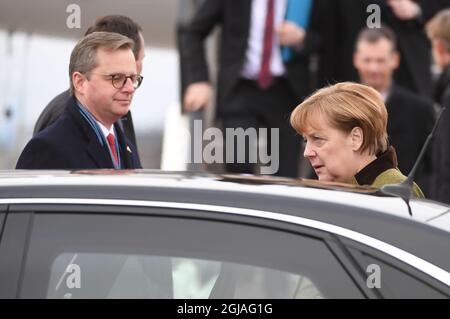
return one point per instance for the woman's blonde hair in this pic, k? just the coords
(345, 106)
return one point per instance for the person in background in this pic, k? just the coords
(438, 30)
(406, 18)
(265, 50)
(410, 116)
(103, 79)
(344, 127)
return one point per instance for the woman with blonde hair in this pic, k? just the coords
(344, 127)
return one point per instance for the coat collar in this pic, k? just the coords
(99, 153)
(125, 149)
(384, 161)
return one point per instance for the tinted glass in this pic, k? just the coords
(84, 275)
(106, 256)
(395, 282)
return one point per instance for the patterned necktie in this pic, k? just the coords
(265, 78)
(112, 145)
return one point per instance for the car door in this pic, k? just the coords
(119, 251)
(12, 248)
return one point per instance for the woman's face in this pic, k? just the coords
(330, 152)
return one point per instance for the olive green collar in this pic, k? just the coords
(383, 162)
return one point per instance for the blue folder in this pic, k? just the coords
(299, 12)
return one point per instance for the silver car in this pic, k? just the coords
(153, 234)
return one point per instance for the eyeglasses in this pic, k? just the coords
(119, 80)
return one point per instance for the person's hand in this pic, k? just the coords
(197, 96)
(405, 9)
(290, 34)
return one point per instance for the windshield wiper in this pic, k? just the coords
(404, 189)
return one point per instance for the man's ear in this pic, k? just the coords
(78, 81)
(441, 48)
(396, 59)
(357, 138)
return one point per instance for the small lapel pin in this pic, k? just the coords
(129, 149)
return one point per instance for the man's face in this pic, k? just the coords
(96, 92)
(376, 63)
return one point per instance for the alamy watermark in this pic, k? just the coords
(374, 278)
(241, 146)
(72, 276)
(374, 19)
(73, 20)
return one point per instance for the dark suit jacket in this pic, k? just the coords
(350, 16)
(234, 17)
(56, 107)
(410, 120)
(441, 183)
(70, 143)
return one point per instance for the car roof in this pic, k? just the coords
(327, 192)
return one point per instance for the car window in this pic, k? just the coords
(394, 278)
(139, 276)
(119, 256)
(395, 282)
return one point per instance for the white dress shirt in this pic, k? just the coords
(105, 131)
(253, 56)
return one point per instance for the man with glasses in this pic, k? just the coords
(103, 79)
(109, 23)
